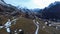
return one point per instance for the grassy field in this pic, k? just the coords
(48, 29)
(26, 24)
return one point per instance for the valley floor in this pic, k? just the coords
(29, 27)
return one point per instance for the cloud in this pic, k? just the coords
(31, 3)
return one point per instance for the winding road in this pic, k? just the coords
(37, 26)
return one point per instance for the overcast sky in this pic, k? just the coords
(30, 3)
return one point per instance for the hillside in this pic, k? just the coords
(26, 24)
(28, 20)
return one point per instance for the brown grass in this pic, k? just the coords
(26, 24)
